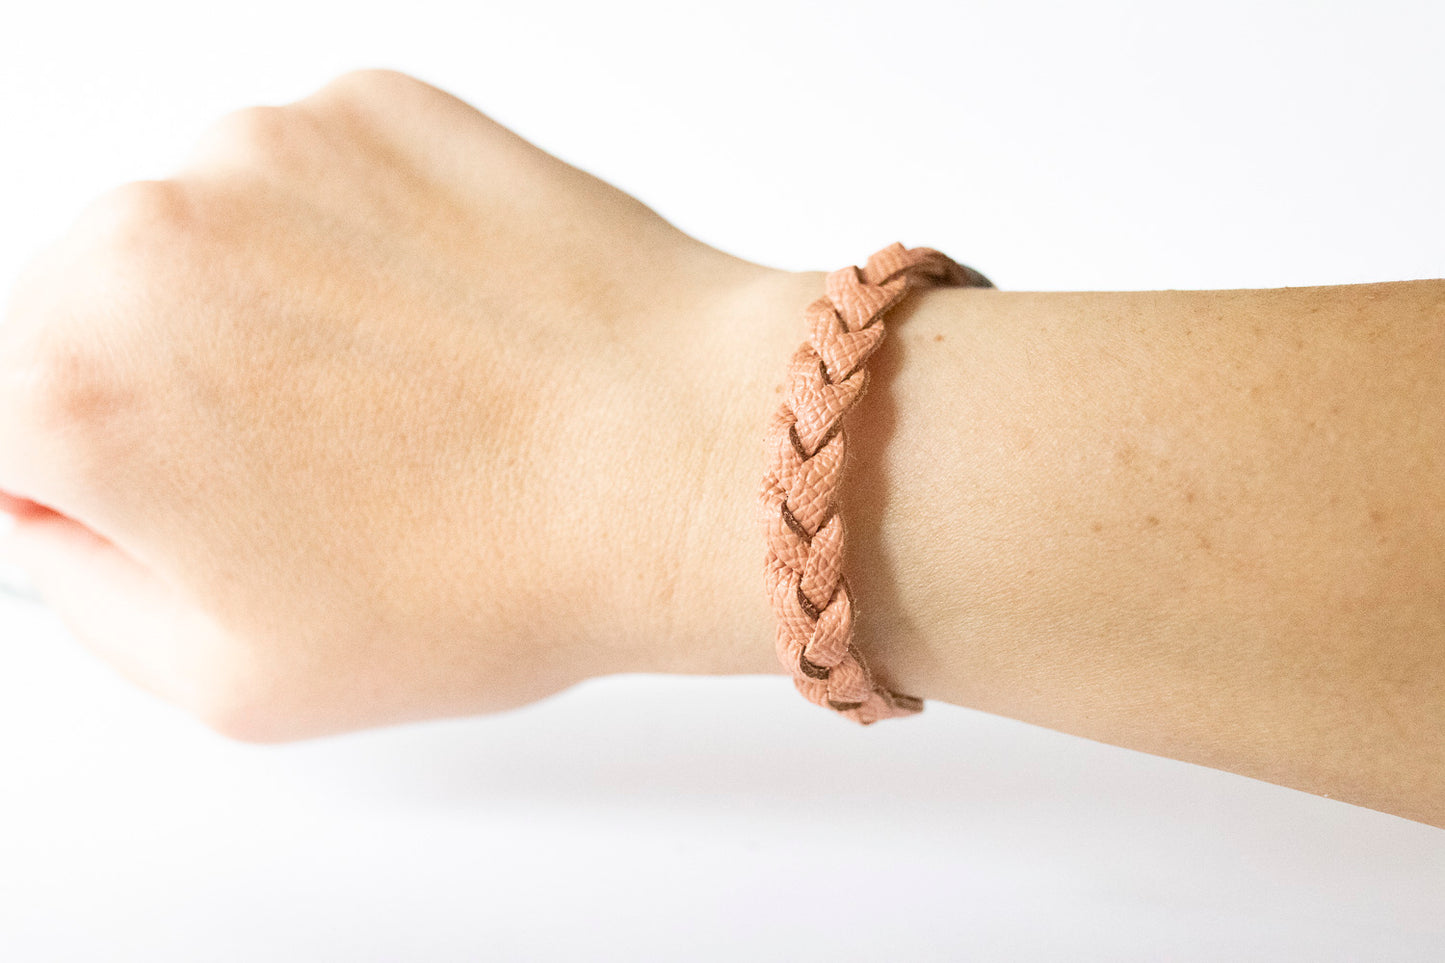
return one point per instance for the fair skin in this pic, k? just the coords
(375, 412)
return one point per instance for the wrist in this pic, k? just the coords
(707, 612)
(698, 604)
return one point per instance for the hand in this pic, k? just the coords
(375, 412)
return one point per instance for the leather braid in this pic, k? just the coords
(806, 453)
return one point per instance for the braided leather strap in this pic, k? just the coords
(806, 451)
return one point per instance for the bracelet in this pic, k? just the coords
(806, 450)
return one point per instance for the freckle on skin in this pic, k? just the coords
(1376, 516)
(1151, 520)
(938, 337)
(1097, 526)
(1189, 496)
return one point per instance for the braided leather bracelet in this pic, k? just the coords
(806, 452)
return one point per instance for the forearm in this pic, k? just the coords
(1208, 525)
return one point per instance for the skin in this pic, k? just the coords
(374, 412)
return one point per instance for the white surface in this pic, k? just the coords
(1053, 146)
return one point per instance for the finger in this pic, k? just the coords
(66, 401)
(15, 506)
(20, 470)
(111, 604)
(12, 580)
(43, 456)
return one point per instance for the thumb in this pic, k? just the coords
(12, 580)
(112, 604)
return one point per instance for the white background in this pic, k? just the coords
(1053, 146)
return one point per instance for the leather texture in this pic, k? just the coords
(806, 451)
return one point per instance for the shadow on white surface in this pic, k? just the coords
(676, 817)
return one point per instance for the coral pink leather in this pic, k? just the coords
(806, 451)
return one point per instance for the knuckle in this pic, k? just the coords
(130, 213)
(367, 84)
(135, 250)
(265, 137)
(71, 397)
(378, 98)
(72, 384)
(128, 245)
